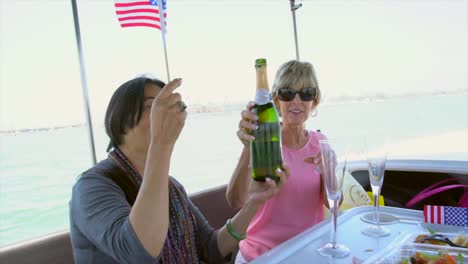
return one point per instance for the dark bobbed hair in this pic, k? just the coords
(126, 108)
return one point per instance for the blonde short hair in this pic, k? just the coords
(298, 74)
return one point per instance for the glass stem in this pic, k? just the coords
(334, 211)
(376, 209)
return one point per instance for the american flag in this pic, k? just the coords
(139, 13)
(446, 215)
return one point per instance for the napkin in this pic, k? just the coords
(446, 215)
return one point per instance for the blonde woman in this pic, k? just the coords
(299, 204)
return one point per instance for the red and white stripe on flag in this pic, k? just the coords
(143, 13)
(434, 214)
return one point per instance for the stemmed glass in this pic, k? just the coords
(333, 171)
(376, 160)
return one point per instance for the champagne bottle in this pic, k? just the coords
(265, 150)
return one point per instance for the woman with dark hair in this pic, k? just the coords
(127, 209)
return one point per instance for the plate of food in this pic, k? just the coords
(423, 257)
(438, 228)
(425, 248)
(442, 239)
(417, 253)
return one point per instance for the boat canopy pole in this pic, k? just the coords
(84, 85)
(294, 7)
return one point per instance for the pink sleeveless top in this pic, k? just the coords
(296, 207)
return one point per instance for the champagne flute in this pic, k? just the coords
(376, 160)
(333, 171)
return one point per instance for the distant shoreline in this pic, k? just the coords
(450, 143)
(218, 108)
(382, 97)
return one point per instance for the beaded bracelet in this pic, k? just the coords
(233, 233)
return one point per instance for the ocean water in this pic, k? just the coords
(38, 169)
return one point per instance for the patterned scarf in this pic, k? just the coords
(180, 245)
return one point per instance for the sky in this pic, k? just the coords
(358, 47)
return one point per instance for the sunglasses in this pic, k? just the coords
(288, 94)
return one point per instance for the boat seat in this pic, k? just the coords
(52, 248)
(212, 203)
(56, 247)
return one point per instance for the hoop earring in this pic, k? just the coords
(314, 114)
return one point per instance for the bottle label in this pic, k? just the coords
(262, 96)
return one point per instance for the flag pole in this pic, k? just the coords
(294, 7)
(162, 19)
(84, 85)
(163, 35)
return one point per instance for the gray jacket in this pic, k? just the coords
(100, 230)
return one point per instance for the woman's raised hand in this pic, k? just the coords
(167, 120)
(246, 124)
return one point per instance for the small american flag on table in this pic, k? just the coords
(446, 215)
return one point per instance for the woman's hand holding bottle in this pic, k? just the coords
(246, 125)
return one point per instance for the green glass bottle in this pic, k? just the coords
(265, 150)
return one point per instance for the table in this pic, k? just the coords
(303, 247)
